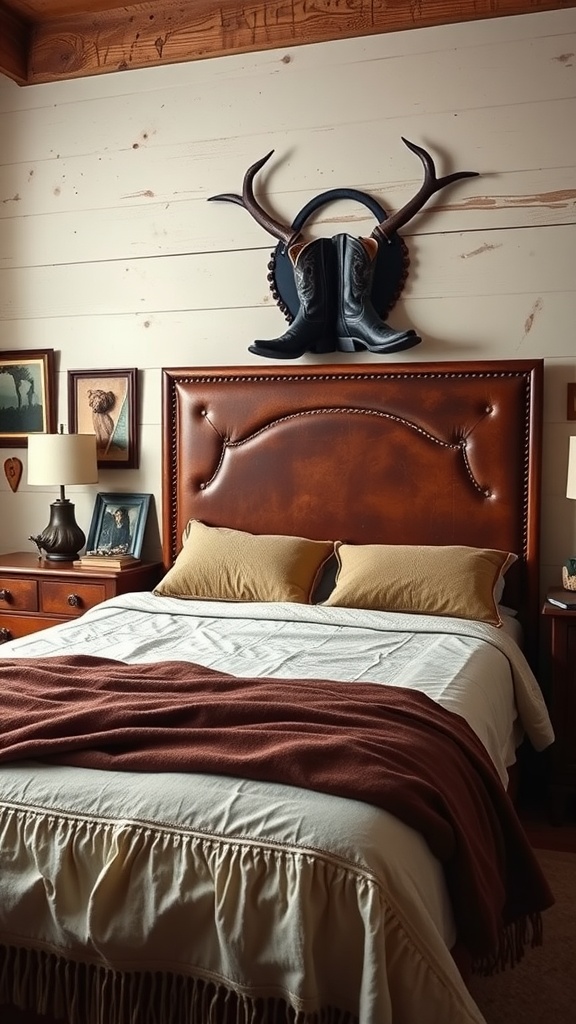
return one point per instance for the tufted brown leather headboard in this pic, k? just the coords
(443, 453)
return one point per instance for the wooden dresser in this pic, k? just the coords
(36, 593)
(562, 701)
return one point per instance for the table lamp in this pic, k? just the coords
(61, 459)
(569, 569)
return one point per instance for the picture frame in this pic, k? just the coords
(131, 524)
(27, 395)
(105, 403)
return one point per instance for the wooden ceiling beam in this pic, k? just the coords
(15, 35)
(170, 32)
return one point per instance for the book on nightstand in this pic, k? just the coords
(562, 598)
(115, 562)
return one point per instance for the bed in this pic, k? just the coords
(228, 874)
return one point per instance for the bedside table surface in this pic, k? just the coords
(27, 561)
(559, 594)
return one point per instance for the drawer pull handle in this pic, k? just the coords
(5, 595)
(5, 635)
(74, 600)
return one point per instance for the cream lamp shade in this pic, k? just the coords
(62, 459)
(571, 476)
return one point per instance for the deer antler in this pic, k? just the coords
(430, 185)
(282, 231)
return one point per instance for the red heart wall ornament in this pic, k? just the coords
(13, 470)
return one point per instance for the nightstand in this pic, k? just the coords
(562, 702)
(36, 593)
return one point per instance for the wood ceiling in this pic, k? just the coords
(49, 40)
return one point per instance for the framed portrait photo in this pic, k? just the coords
(118, 524)
(27, 403)
(105, 403)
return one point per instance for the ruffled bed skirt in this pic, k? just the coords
(80, 993)
(106, 919)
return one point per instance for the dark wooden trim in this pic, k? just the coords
(166, 32)
(15, 45)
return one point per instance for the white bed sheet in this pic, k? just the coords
(470, 668)
(391, 893)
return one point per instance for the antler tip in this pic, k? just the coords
(258, 165)
(226, 197)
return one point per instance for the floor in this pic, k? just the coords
(543, 835)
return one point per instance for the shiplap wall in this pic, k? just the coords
(110, 254)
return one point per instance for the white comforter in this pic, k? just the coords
(264, 889)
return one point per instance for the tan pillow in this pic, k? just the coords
(447, 580)
(220, 564)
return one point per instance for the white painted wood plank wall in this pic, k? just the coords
(110, 254)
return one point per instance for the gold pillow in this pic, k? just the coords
(220, 564)
(447, 580)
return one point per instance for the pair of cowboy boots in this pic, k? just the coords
(333, 278)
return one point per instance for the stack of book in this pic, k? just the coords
(115, 562)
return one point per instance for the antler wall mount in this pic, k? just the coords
(336, 292)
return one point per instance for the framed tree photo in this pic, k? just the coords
(27, 402)
(118, 524)
(105, 403)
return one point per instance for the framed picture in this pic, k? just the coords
(27, 404)
(118, 524)
(104, 402)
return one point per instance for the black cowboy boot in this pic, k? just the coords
(313, 327)
(358, 325)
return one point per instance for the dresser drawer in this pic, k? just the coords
(37, 593)
(71, 598)
(14, 626)
(18, 595)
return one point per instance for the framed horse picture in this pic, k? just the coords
(105, 403)
(27, 403)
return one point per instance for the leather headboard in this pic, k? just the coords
(443, 453)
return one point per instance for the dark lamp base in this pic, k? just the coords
(66, 556)
(62, 539)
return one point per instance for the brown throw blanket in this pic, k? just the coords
(387, 746)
